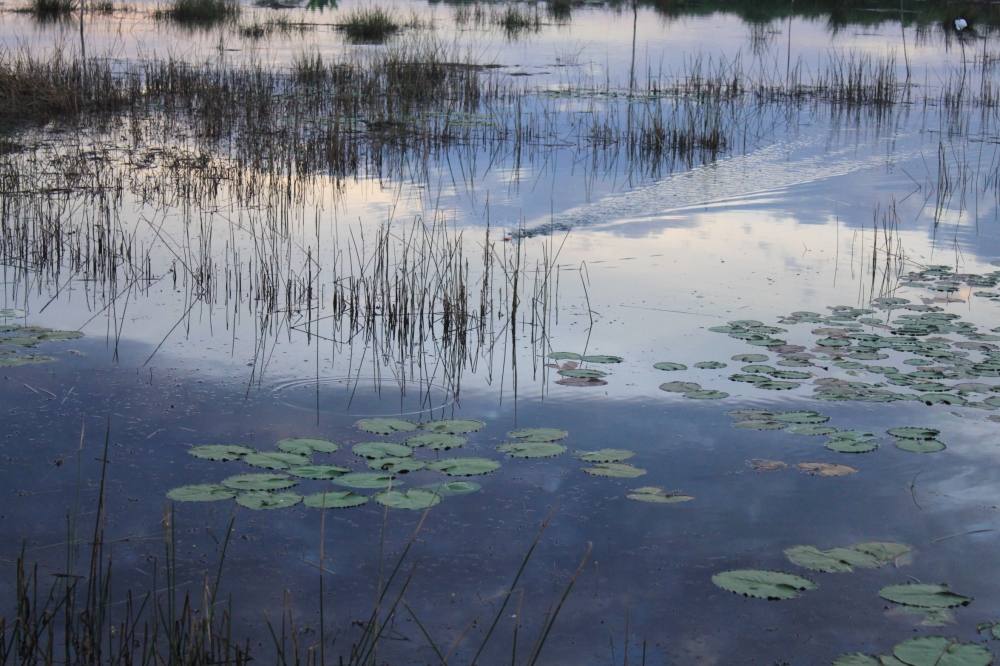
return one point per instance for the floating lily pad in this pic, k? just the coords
(385, 426)
(856, 659)
(582, 373)
(605, 455)
(259, 482)
(324, 472)
(616, 470)
(335, 499)
(764, 465)
(749, 358)
(851, 441)
(711, 365)
(940, 651)
(923, 595)
(777, 385)
(414, 499)
(538, 434)
(454, 488)
(275, 459)
(601, 358)
(810, 429)
(436, 441)
(220, 452)
(396, 465)
(669, 366)
(261, 501)
(656, 495)
(762, 584)
(364, 480)
(920, 445)
(372, 450)
(202, 492)
(760, 425)
(801, 417)
(532, 449)
(465, 466)
(307, 447)
(911, 432)
(564, 356)
(680, 387)
(705, 394)
(453, 426)
(826, 469)
(815, 559)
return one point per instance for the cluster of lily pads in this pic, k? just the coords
(293, 463)
(570, 372)
(914, 439)
(15, 339)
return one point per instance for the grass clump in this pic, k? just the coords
(52, 9)
(515, 20)
(200, 11)
(370, 25)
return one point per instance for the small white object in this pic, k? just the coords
(961, 24)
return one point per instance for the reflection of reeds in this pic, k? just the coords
(200, 11)
(52, 9)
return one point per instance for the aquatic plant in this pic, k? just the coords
(200, 11)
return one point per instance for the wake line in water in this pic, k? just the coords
(754, 175)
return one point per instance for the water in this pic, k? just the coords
(810, 204)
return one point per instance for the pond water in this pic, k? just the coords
(710, 238)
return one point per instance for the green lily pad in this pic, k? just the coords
(414, 499)
(396, 465)
(454, 488)
(755, 424)
(920, 445)
(669, 366)
(705, 394)
(749, 358)
(306, 447)
(814, 559)
(323, 472)
(261, 501)
(583, 373)
(202, 492)
(385, 426)
(275, 459)
(454, 426)
(923, 595)
(856, 442)
(254, 482)
(372, 450)
(220, 452)
(711, 365)
(601, 358)
(777, 385)
(680, 387)
(883, 551)
(615, 470)
(436, 441)
(801, 417)
(532, 449)
(911, 432)
(856, 659)
(605, 455)
(465, 466)
(657, 495)
(762, 584)
(364, 480)
(335, 499)
(810, 429)
(941, 651)
(564, 356)
(538, 434)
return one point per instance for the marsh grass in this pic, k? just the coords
(515, 19)
(278, 26)
(370, 25)
(200, 11)
(52, 9)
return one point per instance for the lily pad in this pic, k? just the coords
(364, 480)
(253, 482)
(396, 465)
(680, 387)
(453, 426)
(826, 469)
(605, 455)
(414, 499)
(465, 466)
(436, 441)
(532, 449)
(385, 426)
(815, 559)
(454, 488)
(323, 472)
(220, 452)
(760, 425)
(923, 595)
(810, 429)
(582, 373)
(372, 450)
(705, 394)
(335, 499)
(851, 441)
(275, 459)
(762, 584)
(601, 358)
(856, 659)
(711, 365)
(749, 358)
(564, 356)
(538, 434)
(202, 492)
(261, 501)
(669, 366)
(307, 447)
(912, 432)
(657, 495)
(920, 445)
(941, 651)
(616, 470)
